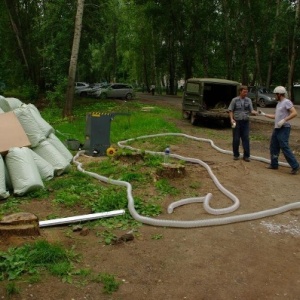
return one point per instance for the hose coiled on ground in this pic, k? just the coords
(205, 200)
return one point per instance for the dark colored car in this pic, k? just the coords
(261, 96)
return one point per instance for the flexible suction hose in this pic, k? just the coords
(205, 200)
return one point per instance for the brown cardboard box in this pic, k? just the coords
(12, 133)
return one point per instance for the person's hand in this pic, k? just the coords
(280, 123)
(260, 112)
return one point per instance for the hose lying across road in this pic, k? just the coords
(205, 200)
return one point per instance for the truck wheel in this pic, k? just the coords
(186, 114)
(193, 118)
(261, 102)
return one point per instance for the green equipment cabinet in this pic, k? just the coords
(97, 132)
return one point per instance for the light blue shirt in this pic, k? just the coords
(282, 111)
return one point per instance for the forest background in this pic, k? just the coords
(146, 42)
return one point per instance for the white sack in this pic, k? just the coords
(59, 145)
(7, 179)
(13, 102)
(52, 156)
(23, 171)
(4, 104)
(3, 192)
(44, 126)
(30, 126)
(46, 170)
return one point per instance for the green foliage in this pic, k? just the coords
(61, 269)
(165, 187)
(30, 258)
(111, 198)
(110, 284)
(156, 236)
(68, 197)
(146, 41)
(26, 92)
(12, 289)
(123, 222)
(11, 206)
(147, 209)
(56, 96)
(153, 160)
(108, 237)
(130, 177)
(105, 167)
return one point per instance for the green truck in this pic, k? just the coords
(208, 98)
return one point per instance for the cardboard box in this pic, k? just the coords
(12, 133)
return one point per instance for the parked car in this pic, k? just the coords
(84, 89)
(208, 98)
(79, 85)
(115, 90)
(262, 95)
(94, 90)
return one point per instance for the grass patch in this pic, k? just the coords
(165, 188)
(110, 284)
(76, 190)
(29, 259)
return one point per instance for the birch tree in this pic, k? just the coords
(293, 54)
(67, 112)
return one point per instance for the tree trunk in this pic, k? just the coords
(228, 48)
(67, 112)
(256, 48)
(272, 50)
(11, 12)
(293, 52)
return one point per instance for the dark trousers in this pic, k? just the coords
(241, 132)
(280, 141)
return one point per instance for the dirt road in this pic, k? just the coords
(176, 101)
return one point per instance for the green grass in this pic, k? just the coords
(30, 258)
(76, 191)
(110, 284)
(134, 124)
(30, 261)
(165, 188)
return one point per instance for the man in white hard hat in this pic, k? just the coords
(285, 111)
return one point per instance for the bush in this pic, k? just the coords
(55, 97)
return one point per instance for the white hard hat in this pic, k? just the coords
(280, 90)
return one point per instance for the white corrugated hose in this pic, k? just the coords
(205, 200)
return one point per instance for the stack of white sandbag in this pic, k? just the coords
(24, 169)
